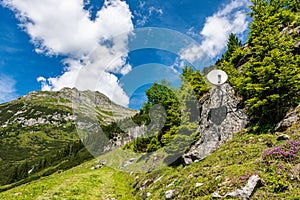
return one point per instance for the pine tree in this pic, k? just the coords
(232, 44)
(270, 81)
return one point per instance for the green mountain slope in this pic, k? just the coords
(39, 129)
(223, 171)
(77, 183)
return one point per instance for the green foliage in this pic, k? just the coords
(112, 130)
(269, 80)
(140, 144)
(164, 95)
(64, 158)
(196, 81)
(180, 106)
(278, 183)
(153, 145)
(233, 43)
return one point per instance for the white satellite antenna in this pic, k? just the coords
(217, 77)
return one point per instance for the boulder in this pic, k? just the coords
(246, 191)
(291, 118)
(221, 115)
(243, 193)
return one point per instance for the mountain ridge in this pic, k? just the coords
(42, 124)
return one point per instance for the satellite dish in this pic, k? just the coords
(217, 77)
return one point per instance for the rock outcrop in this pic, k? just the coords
(243, 193)
(291, 118)
(221, 116)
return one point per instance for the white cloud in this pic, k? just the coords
(230, 19)
(144, 13)
(7, 88)
(94, 47)
(192, 32)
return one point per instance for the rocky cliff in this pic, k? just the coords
(221, 116)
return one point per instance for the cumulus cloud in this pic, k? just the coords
(94, 48)
(231, 18)
(7, 88)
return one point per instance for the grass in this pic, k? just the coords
(229, 168)
(225, 170)
(31, 143)
(77, 183)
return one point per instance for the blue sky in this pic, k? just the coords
(113, 46)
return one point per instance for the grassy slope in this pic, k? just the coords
(32, 143)
(77, 183)
(226, 169)
(229, 167)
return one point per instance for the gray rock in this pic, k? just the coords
(291, 118)
(216, 195)
(148, 194)
(221, 117)
(169, 194)
(199, 184)
(246, 191)
(243, 193)
(282, 137)
(159, 178)
(146, 184)
(297, 44)
(129, 162)
(98, 166)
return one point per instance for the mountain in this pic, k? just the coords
(227, 169)
(240, 140)
(40, 129)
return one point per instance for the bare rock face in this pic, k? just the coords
(221, 116)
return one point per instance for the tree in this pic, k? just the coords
(232, 44)
(270, 81)
(165, 95)
(195, 79)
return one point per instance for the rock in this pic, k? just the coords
(129, 162)
(221, 116)
(243, 193)
(30, 171)
(291, 118)
(159, 178)
(297, 44)
(199, 184)
(246, 191)
(148, 194)
(171, 184)
(216, 195)
(295, 172)
(98, 165)
(146, 184)
(169, 194)
(17, 193)
(283, 137)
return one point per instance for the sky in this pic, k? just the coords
(116, 47)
